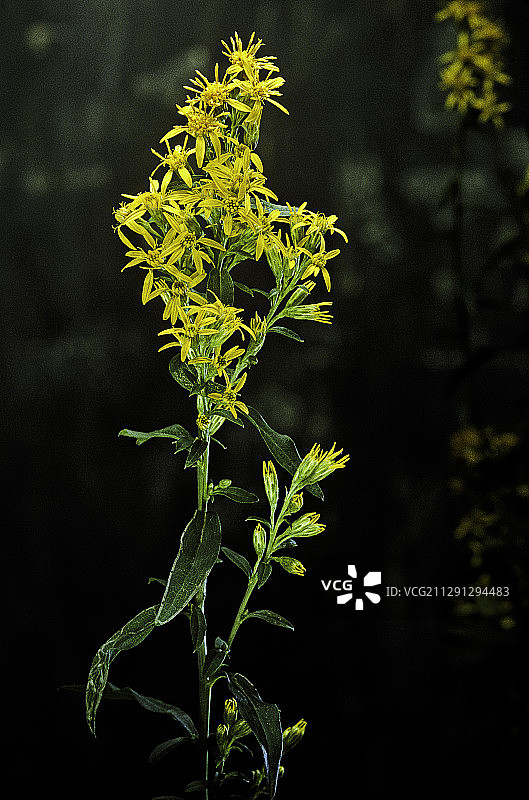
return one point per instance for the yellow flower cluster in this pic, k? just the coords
(491, 499)
(207, 211)
(474, 69)
(473, 445)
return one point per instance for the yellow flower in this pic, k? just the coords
(460, 83)
(228, 397)
(220, 360)
(233, 188)
(316, 465)
(156, 200)
(200, 124)
(159, 256)
(468, 52)
(216, 93)
(178, 293)
(317, 223)
(227, 320)
(245, 59)
(460, 10)
(317, 263)
(490, 109)
(189, 242)
(309, 311)
(176, 161)
(189, 333)
(262, 224)
(259, 91)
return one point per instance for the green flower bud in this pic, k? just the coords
(259, 539)
(293, 735)
(240, 729)
(223, 739)
(300, 294)
(230, 712)
(291, 565)
(295, 504)
(270, 483)
(307, 525)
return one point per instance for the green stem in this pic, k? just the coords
(252, 583)
(264, 557)
(204, 690)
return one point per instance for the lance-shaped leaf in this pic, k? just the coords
(128, 636)
(152, 704)
(238, 560)
(182, 373)
(265, 721)
(165, 748)
(198, 552)
(286, 332)
(281, 446)
(196, 451)
(220, 283)
(236, 494)
(271, 617)
(198, 625)
(182, 438)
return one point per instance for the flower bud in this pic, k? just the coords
(240, 729)
(259, 539)
(230, 712)
(291, 565)
(293, 735)
(271, 484)
(295, 504)
(307, 525)
(223, 739)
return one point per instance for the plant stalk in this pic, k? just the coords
(204, 690)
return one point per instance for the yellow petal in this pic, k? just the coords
(201, 150)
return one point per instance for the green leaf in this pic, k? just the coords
(157, 580)
(165, 748)
(237, 495)
(265, 721)
(220, 412)
(236, 257)
(215, 658)
(199, 550)
(152, 704)
(243, 288)
(198, 626)
(220, 283)
(264, 571)
(196, 451)
(286, 332)
(263, 521)
(272, 618)
(182, 373)
(182, 438)
(238, 560)
(281, 446)
(130, 635)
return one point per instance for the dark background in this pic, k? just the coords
(396, 697)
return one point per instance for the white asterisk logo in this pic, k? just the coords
(370, 579)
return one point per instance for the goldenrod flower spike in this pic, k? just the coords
(207, 210)
(475, 65)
